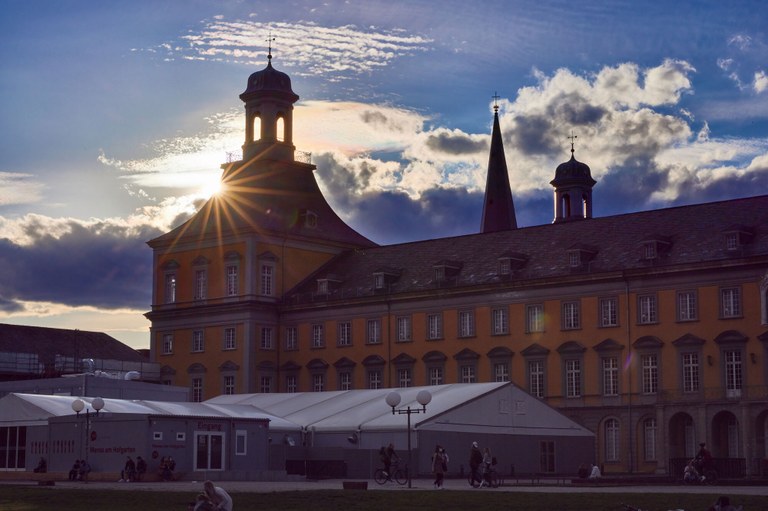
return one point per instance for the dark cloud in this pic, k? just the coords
(102, 266)
(575, 110)
(530, 135)
(456, 144)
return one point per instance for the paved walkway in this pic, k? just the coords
(417, 484)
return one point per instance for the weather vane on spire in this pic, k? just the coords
(495, 98)
(573, 139)
(269, 43)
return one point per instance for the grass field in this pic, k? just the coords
(33, 498)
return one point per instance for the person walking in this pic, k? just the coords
(439, 466)
(219, 498)
(475, 459)
(487, 459)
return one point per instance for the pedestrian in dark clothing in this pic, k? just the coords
(475, 460)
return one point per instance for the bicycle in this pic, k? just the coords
(491, 478)
(396, 474)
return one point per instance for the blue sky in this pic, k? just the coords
(115, 116)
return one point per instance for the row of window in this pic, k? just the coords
(231, 281)
(573, 376)
(647, 313)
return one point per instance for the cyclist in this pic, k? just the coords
(388, 456)
(703, 459)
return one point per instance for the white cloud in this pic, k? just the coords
(19, 188)
(761, 82)
(308, 47)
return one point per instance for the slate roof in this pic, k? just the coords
(49, 342)
(686, 235)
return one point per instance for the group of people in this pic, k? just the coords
(79, 471)
(133, 471)
(480, 463)
(213, 498)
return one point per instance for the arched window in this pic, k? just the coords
(566, 206)
(256, 126)
(280, 129)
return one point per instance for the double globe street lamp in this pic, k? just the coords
(423, 398)
(77, 406)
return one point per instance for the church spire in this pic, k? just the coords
(498, 208)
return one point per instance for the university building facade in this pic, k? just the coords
(650, 328)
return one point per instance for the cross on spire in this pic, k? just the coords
(269, 42)
(573, 139)
(495, 98)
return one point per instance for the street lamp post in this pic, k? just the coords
(77, 407)
(393, 399)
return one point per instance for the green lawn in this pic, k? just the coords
(32, 498)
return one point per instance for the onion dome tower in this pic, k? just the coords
(498, 207)
(573, 189)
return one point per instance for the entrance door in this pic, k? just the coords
(209, 451)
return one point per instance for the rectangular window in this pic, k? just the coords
(500, 321)
(571, 316)
(167, 344)
(198, 341)
(318, 337)
(291, 338)
(547, 456)
(229, 339)
(345, 333)
(534, 318)
(646, 309)
(466, 323)
(378, 281)
(403, 329)
(686, 306)
(609, 312)
(345, 380)
(170, 288)
(201, 284)
(650, 365)
(501, 371)
(241, 442)
(404, 377)
(612, 440)
(468, 374)
(267, 279)
(373, 328)
(229, 385)
(13, 447)
(434, 326)
(267, 338)
(265, 384)
(232, 289)
(733, 373)
(318, 382)
(374, 379)
(730, 302)
(690, 372)
(610, 376)
(435, 376)
(197, 390)
(574, 259)
(649, 435)
(291, 383)
(573, 378)
(505, 266)
(731, 241)
(536, 378)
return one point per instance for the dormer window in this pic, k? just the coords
(654, 247)
(511, 261)
(384, 277)
(445, 271)
(308, 219)
(580, 255)
(736, 237)
(649, 250)
(327, 284)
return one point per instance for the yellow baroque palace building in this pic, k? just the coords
(650, 328)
